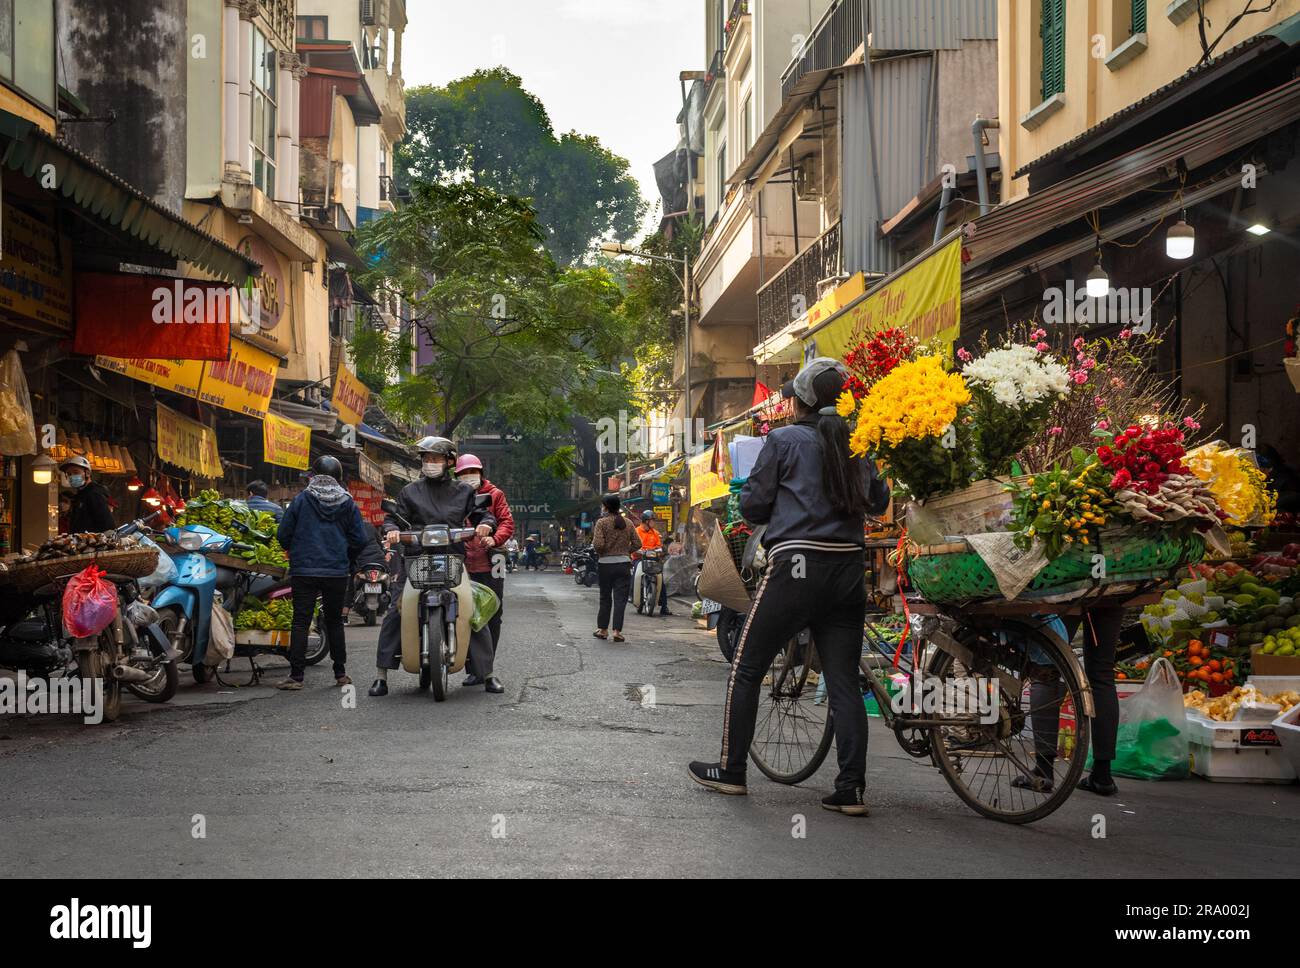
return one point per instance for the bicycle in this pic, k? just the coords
(987, 710)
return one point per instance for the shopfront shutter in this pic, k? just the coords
(1053, 40)
(1139, 17)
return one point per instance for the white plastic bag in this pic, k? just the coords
(1152, 743)
(221, 635)
(17, 426)
(166, 571)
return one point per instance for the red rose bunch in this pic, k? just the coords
(1143, 458)
(875, 357)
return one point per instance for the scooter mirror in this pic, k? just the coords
(190, 541)
(388, 505)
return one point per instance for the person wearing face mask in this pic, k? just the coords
(483, 557)
(437, 498)
(90, 510)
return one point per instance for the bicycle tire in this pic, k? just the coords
(1064, 785)
(793, 770)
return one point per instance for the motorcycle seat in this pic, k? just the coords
(28, 630)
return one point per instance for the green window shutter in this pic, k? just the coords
(1139, 17)
(1053, 40)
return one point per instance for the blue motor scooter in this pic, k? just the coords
(185, 606)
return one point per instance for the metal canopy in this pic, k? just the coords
(26, 148)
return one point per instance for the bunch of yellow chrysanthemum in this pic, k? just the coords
(916, 400)
(1238, 485)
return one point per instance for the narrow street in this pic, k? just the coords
(568, 768)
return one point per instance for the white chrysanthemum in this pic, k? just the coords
(1017, 375)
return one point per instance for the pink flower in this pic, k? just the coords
(1191, 424)
(963, 354)
(1098, 402)
(1103, 424)
(1089, 364)
(1054, 431)
(1125, 333)
(1038, 334)
(1078, 343)
(1081, 377)
(1042, 347)
(1117, 382)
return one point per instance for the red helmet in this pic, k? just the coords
(468, 462)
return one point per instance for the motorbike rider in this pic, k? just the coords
(90, 509)
(650, 540)
(483, 560)
(512, 550)
(437, 498)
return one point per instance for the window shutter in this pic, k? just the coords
(1053, 41)
(1139, 17)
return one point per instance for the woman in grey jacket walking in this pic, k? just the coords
(614, 539)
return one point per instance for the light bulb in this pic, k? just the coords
(1098, 282)
(1259, 228)
(1180, 243)
(43, 469)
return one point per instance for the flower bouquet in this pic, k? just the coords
(1012, 389)
(1236, 483)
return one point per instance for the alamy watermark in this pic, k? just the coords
(194, 303)
(68, 695)
(1070, 305)
(935, 696)
(630, 434)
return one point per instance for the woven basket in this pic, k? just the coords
(948, 574)
(135, 562)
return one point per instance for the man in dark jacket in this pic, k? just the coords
(437, 498)
(323, 535)
(90, 510)
(257, 500)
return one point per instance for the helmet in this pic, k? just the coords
(647, 515)
(436, 445)
(468, 462)
(329, 466)
(76, 460)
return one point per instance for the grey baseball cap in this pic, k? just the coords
(805, 385)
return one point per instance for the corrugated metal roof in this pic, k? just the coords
(78, 177)
(931, 24)
(979, 20)
(1279, 37)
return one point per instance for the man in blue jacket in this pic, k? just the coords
(323, 535)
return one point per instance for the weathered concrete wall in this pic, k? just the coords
(968, 86)
(129, 56)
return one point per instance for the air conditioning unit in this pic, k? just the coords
(369, 13)
(808, 181)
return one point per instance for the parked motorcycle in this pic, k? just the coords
(586, 570)
(512, 560)
(437, 603)
(372, 597)
(648, 580)
(131, 650)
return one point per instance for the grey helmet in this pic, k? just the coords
(440, 446)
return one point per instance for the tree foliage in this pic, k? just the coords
(485, 128)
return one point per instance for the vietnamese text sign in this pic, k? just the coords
(286, 442)
(370, 472)
(187, 444)
(924, 302)
(706, 486)
(178, 376)
(243, 383)
(350, 396)
(36, 270)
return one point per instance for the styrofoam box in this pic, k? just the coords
(1272, 685)
(1236, 752)
(1287, 728)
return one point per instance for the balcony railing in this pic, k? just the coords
(387, 190)
(793, 290)
(738, 9)
(716, 72)
(836, 36)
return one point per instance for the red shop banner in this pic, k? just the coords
(152, 317)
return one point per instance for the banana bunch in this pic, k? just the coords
(270, 616)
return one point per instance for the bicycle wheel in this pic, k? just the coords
(793, 733)
(1022, 765)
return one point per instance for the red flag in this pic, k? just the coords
(761, 393)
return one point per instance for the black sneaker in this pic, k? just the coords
(713, 776)
(847, 802)
(379, 688)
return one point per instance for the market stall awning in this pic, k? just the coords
(84, 182)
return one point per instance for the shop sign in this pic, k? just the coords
(370, 472)
(924, 301)
(706, 485)
(660, 493)
(187, 444)
(664, 512)
(155, 316)
(271, 292)
(286, 442)
(36, 270)
(351, 396)
(178, 376)
(243, 383)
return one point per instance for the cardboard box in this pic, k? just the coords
(1273, 665)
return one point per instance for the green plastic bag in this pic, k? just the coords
(486, 604)
(1152, 743)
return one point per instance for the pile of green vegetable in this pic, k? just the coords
(234, 518)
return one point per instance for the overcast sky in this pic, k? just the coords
(602, 67)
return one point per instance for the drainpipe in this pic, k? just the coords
(977, 129)
(941, 220)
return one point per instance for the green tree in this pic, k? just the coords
(485, 128)
(503, 326)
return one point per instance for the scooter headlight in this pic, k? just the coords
(190, 541)
(435, 537)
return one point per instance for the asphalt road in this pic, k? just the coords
(568, 773)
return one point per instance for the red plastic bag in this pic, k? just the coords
(89, 603)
